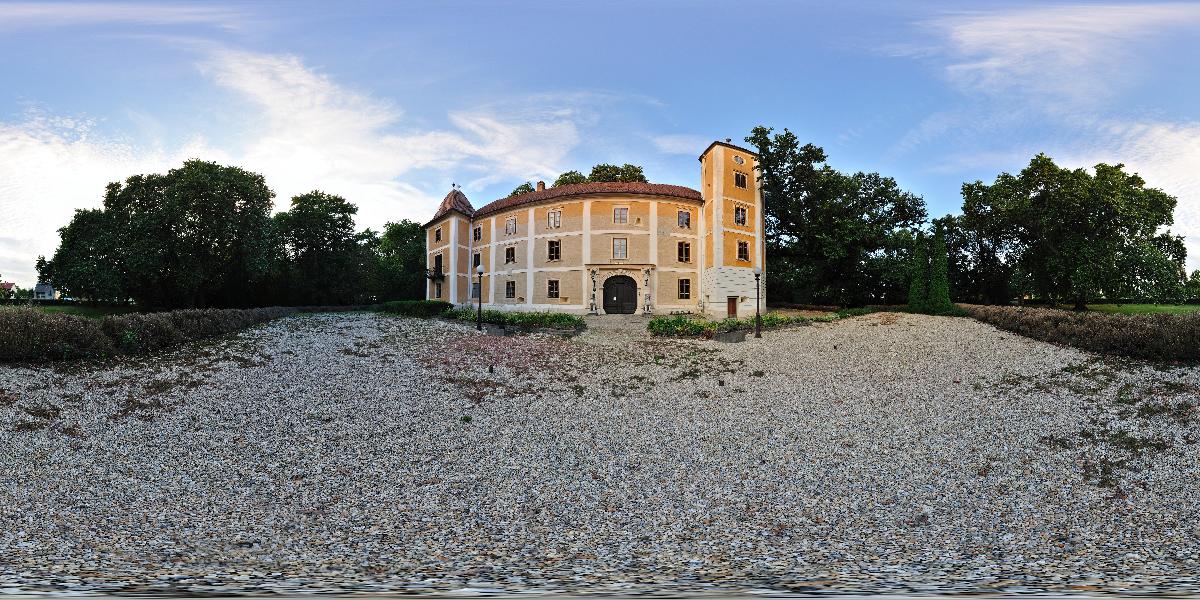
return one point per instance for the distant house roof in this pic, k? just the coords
(587, 189)
(455, 201)
(7, 286)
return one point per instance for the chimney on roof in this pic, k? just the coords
(541, 186)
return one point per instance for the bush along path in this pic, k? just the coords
(1150, 336)
(33, 335)
(512, 319)
(696, 326)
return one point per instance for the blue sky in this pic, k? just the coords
(388, 103)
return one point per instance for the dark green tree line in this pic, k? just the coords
(202, 235)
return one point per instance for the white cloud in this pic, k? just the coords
(51, 166)
(1165, 155)
(679, 144)
(1048, 79)
(302, 131)
(1079, 52)
(59, 14)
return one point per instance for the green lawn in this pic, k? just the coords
(93, 312)
(1141, 309)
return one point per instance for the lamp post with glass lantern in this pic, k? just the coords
(479, 318)
(757, 313)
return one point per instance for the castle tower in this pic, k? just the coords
(447, 249)
(733, 230)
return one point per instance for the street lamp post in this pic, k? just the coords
(479, 317)
(757, 302)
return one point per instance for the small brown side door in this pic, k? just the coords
(731, 306)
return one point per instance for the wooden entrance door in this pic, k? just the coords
(731, 306)
(620, 295)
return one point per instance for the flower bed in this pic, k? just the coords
(696, 326)
(519, 319)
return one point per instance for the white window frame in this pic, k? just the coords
(680, 248)
(477, 233)
(680, 215)
(624, 248)
(510, 250)
(623, 211)
(510, 226)
(745, 180)
(743, 244)
(437, 234)
(552, 244)
(742, 210)
(554, 219)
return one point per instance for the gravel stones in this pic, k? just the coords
(363, 452)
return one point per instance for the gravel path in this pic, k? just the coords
(359, 452)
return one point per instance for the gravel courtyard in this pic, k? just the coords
(361, 452)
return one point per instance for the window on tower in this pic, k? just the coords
(739, 180)
(739, 215)
(744, 251)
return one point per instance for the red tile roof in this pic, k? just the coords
(454, 201)
(588, 189)
(6, 286)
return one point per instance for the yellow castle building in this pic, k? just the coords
(608, 248)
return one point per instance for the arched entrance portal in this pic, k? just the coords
(620, 295)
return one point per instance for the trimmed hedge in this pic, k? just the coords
(35, 335)
(692, 326)
(146, 332)
(555, 320)
(29, 334)
(416, 308)
(1151, 336)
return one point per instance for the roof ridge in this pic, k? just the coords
(627, 187)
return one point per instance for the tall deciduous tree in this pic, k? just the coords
(322, 248)
(197, 236)
(831, 237)
(524, 188)
(1067, 235)
(570, 177)
(402, 259)
(625, 173)
(88, 263)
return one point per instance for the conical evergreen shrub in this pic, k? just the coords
(938, 301)
(918, 287)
